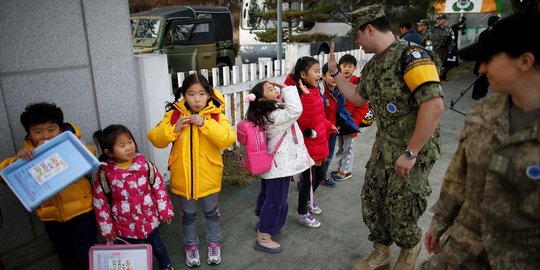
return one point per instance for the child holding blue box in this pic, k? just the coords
(68, 217)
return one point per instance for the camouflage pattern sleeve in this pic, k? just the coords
(452, 193)
(428, 91)
(362, 84)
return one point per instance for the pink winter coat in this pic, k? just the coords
(313, 117)
(136, 208)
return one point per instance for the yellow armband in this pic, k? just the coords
(418, 67)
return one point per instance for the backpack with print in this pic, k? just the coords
(254, 154)
(104, 181)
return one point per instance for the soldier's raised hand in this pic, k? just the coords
(332, 64)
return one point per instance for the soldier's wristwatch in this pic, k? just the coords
(409, 155)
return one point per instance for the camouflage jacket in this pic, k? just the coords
(427, 36)
(491, 191)
(443, 38)
(396, 106)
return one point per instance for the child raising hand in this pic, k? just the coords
(276, 112)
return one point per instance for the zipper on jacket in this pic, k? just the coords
(59, 206)
(191, 155)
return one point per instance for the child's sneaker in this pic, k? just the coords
(329, 182)
(316, 210)
(192, 256)
(333, 173)
(214, 253)
(342, 176)
(308, 220)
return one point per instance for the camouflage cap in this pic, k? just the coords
(423, 22)
(442, 17)
(364, 15)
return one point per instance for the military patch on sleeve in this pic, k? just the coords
(418, 67)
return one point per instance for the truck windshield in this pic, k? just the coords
(146, 28)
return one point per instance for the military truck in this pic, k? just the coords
(192, 37)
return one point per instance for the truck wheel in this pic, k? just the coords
(220, 67)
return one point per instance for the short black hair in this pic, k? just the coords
(40, 113)
(348, 59)
(107, 137)
(382, 24)
(407, 25)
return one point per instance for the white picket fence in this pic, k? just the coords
(239, 81)
(156, 89)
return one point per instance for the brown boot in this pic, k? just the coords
(265, 243)
(378, 259)
(407, 258)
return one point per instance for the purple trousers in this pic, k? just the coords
(272, 204)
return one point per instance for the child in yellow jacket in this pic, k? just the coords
(68, 217)
(199, 130)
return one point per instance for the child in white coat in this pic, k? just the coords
(277, 111)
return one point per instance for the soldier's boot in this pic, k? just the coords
(407, 258)
(378, 259)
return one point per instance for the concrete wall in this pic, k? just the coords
(76, 54)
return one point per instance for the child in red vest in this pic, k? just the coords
(315, 129)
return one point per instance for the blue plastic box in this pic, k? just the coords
(56, 165)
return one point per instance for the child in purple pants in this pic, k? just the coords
(277, 111)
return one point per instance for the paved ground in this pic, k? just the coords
(342, 238)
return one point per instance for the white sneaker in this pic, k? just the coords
(316, 210)
(192, 256)
(308, 220)
(214, 253)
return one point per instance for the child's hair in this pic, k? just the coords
(39, 113)
(106, 138)
(259, 110)
(348, 59)
(303, 64)
(189, 81)
(325, 69)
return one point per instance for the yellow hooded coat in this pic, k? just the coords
(195, 161)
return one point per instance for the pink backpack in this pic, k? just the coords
(255, 156)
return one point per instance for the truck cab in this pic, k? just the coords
(192, 37)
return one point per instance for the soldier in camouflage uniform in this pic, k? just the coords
(488, 214)
(427, 36)
(443, 41)
(402, 84)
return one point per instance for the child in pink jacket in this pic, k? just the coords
(128, 204)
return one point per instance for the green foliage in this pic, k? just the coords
(308, 38)
(313, 11)
(267, 36)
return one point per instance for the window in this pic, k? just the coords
(147, 28)
(182, 32)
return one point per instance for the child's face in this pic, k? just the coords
(196, 97)
(347, 69)
(40, 133)
(272, 93)
(329, 80)
(313, 75)
(123, 149)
